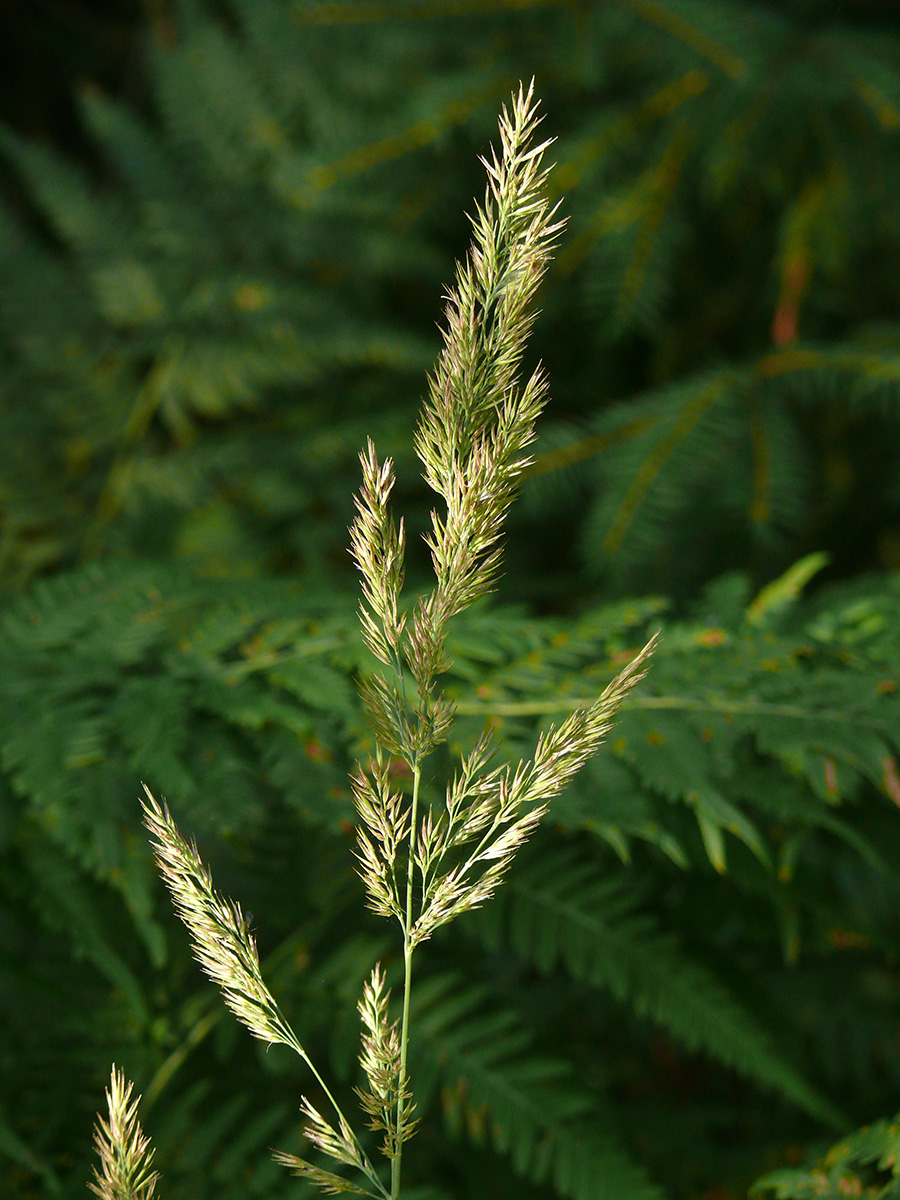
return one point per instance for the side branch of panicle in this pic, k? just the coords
(222, 941)
(125, 1171)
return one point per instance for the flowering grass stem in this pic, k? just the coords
(476, 423)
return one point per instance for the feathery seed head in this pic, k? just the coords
(222, 941)
(125, 1153)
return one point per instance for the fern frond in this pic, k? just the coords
(563, 910)
(527, 1104)
(865, 1163)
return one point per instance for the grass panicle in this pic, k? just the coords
(422, 864)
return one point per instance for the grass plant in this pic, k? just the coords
(422, 864)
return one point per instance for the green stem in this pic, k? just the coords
(407, 983)
(367, 1168)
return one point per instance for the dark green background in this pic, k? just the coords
(225, 232)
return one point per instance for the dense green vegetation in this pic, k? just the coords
(207, 304)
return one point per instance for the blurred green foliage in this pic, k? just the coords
(204, 312)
